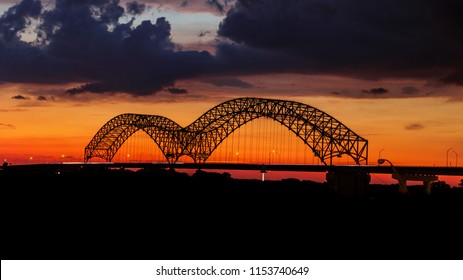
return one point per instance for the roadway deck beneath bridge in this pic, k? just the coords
(375, 169)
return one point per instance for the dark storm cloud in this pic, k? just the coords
(19, 97)
(89, 43)
(229, 82)
(174, 90)
(17, 18)
(135, 8)
(414, 126)
(357, 38)
(84, 42)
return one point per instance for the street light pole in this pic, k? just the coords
(270, 156)
(448, 156)
(456, 161)
(379, 156)
(402, 184)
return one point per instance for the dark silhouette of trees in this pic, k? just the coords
(102, 213)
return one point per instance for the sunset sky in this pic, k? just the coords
(392, 71)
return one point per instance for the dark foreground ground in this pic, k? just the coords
(160, 214)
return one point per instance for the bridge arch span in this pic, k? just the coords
(323, 134)
(116, 131)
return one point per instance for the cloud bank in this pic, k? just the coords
(96, 43)
(356, 38)
(84, 41)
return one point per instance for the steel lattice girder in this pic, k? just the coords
(326, 136)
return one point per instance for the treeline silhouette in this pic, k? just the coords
(99, 213)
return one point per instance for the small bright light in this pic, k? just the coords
(30, 158)
(273, 151)
(62, 156)
(237, 153)
(128, 155)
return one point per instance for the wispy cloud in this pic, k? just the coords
(12, 110)
(410, 90)
(229, 82)
(379, 90)
(7, 126)
(174, 90)
(203, 33)
(19, 97)
(414, 126)
(194, 6)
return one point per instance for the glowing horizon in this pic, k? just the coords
(25, 149)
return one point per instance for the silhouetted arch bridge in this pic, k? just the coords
(209, 143)
(324, 135)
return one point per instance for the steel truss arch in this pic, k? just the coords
(323, 134)
(116, 131)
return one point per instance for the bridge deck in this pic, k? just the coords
(376, 169)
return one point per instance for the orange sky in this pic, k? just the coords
(409, 131)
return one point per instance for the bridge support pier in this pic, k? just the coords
(426, 179)
(349, 184)
(427, 187)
